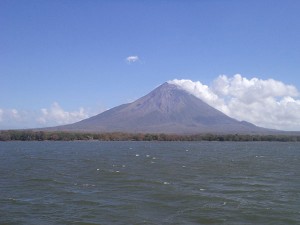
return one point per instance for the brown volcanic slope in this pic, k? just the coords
(167, 109)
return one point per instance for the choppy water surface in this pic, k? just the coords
(149, 183)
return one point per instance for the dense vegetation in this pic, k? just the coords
(28, 135)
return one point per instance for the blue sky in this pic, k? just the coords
(69, 55)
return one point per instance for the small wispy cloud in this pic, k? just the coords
(132, 59)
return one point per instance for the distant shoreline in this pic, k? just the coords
(30, 135)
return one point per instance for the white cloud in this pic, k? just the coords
(1, 114)
(201, 91)
(45, 117)
(251, 90)
(267, 103)
(56, 115)
(14, 114)
(9, 118)
(132, 58)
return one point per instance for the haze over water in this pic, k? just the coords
(149, 183)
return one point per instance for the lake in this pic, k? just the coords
(149, 183)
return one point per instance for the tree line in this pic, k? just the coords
(29, 135)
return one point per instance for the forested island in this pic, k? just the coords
(29, 135)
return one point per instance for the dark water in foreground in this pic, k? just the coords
(149, 183)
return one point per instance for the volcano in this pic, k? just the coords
(166, 109)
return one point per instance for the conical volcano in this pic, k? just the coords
(167, 109)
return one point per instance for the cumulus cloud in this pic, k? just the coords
(200, 91)
(45, 117)
(12, 114)
(9, 118)
(267, 103)
(132, 58)
(56, 115)
(1, 114)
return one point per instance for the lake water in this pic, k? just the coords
(149, 183)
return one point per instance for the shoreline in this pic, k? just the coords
(30, 135)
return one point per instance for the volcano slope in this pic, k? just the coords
(167, 109)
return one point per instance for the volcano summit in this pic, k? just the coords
(166, 109)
